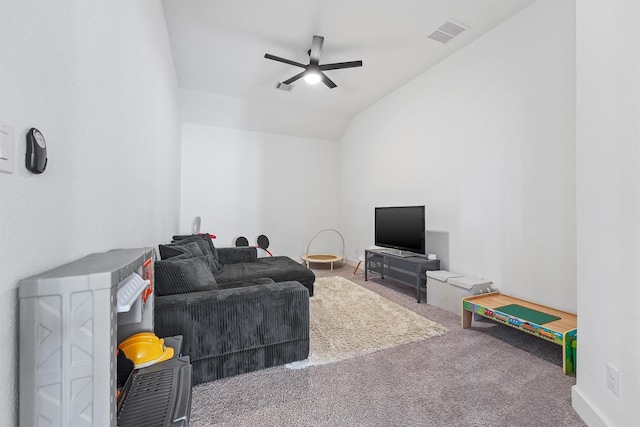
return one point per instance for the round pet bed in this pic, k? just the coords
(324, 258)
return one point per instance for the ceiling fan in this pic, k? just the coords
(313, 72)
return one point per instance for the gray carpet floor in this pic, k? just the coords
(489, 375)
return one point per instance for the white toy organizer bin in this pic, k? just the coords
(446, 290)
(438, 293)
(70, 327)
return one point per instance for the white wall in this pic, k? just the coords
(244, 183)
(486, 140)
(608, 204)
(229, 112)
(97, 79)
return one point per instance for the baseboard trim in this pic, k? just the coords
(585, 410)
(351, 262)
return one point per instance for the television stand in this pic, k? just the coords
(409, 270)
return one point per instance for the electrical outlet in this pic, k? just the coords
(612, 379)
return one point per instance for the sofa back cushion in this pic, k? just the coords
(204, 239)
(189, 248)
(193, 245)
(183, 274)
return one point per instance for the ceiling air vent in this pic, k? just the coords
(446, 32)
(284, 86)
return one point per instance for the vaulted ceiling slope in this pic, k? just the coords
(219, 46)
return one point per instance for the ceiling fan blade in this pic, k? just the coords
(294, 78)
(286, 61)
(339, 65)
(326, 80)
(316, 49)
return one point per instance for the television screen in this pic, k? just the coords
(401, 228)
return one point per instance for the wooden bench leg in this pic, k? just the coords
(467, 316)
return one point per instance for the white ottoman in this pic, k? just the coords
(438, 293)
(464, 286)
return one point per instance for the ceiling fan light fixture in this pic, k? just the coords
(313, 72)
(313, 78)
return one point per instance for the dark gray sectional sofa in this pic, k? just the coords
(236, 312)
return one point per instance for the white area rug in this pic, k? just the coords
(348, 320)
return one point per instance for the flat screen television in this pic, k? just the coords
(401, 228)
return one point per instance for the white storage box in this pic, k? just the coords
(464, 286)
(438, 293)
(69, 329)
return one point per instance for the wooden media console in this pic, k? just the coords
(562, 331)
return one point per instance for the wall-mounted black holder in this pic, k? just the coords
(36, 158)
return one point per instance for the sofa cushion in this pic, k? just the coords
(204, 239)
(186, 245)
(184, 274)
(278, 268)
(245, 283)
(232, 331)
(189, 248)
(285, 269)
(236, 255)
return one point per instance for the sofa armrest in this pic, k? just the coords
(237, 255)
(224, 321)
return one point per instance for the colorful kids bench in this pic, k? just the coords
(547, 323)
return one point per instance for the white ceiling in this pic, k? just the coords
(219, 45)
